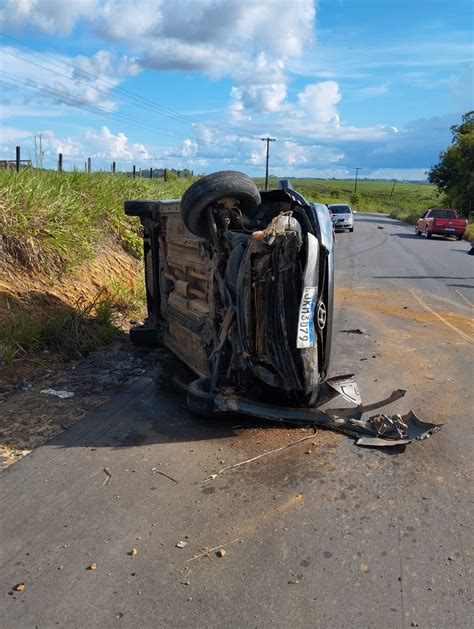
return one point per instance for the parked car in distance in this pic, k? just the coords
(341, 216)
(239, 286)
(442, 222)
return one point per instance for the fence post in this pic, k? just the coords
(17, 159)
(177, 172)
(165, 174)
(60, 162)
(113, 167)
(134, 171)
(88, 164)
(151, 173)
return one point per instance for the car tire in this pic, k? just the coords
(199, 400)
(428, 233)
(351, 229)
(459, 237)
(417, 231)
(211, 188)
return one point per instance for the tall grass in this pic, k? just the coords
(53, 221)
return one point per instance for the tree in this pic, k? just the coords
(454, 174)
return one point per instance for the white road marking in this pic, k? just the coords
(465, 298)
(462, 334)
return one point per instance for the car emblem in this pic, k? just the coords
(321, 316)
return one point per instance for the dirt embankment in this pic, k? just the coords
(32, 304)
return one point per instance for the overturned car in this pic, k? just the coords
(240, 287)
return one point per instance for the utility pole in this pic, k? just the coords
(393, 188)
(60, 162)
(18, 159)
(267, 140)
(357, 172)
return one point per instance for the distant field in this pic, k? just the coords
(408, 201)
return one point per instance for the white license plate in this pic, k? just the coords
(450, 229)
(306, 333)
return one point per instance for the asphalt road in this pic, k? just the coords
(321, 534)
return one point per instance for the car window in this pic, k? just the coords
(443, 214)
(340, 209)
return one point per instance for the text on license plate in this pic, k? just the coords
(305, 334)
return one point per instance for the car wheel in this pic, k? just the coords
(198, 398)
(351, 229)
(209, 189)
(417, 231)
(459, 237)
(428, 234)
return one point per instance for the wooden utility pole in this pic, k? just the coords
(267, 140)
(134, 171)
(88, 164)
(60, 162)
(151, 173)
(355, 184)
(393, 188)
(18, 158)
(113, 168)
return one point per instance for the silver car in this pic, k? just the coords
(342, 217)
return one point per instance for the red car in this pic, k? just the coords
(441, 222)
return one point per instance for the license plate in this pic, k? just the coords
(450, 229)
(306, 333)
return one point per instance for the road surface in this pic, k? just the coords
(321, 534)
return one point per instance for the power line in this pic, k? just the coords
(137, 99)
(85, 106)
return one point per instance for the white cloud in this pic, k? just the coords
(189, 148)
(50, 16)
(9, 134)
(56, 78)
(110, 146)
(318, 102)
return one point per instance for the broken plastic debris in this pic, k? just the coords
(92, 566)
(221, 553)
(133, 552)
(181, 544)
(60, 394)
(19, 587)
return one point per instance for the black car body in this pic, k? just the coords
(240, 287)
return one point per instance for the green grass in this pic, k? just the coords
(34, 324)
(54, 221)
(372, 195)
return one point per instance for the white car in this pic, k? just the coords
(342, 216)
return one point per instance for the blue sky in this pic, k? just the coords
(196, 83)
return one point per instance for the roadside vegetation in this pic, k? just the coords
(50, 225)
(53, 221)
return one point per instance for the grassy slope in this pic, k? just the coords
(55, 221)
(58, 232)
